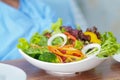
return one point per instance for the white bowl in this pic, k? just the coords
(64, 68)
(117, 57)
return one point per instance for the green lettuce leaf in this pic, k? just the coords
(56, 26)
(109, 45)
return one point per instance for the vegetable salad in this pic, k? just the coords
(63, 44)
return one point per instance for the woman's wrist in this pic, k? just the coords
(13, 3)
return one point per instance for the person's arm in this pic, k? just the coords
(13, 3)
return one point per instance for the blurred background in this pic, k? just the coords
(104, 14)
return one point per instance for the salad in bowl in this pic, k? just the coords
(67, 50)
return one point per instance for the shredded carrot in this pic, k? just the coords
(54, 50)
(70, 36)
(70, 54)
(68, 46)
(70, 50)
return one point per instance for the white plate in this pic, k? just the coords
(117, 57)
(9, 72)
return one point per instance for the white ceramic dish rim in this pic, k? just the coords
(21, 74)
(117, 57)
(76, 62)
